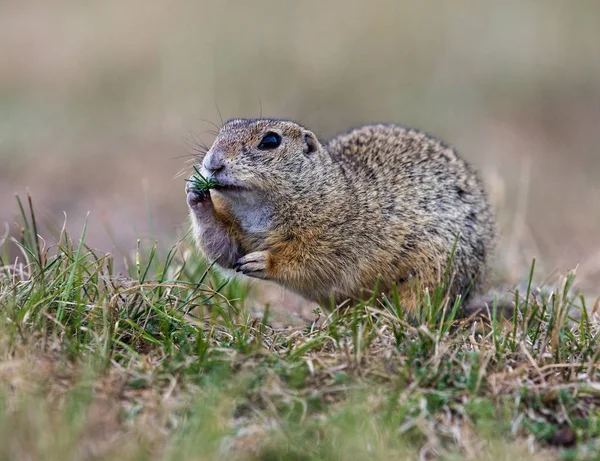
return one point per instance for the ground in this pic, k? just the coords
(171, 361)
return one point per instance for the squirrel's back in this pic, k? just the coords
(430, 199)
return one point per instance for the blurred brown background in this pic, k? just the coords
(99, 99)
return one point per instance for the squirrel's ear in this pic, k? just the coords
(310, 143)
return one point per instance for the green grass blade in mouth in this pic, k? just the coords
(202, 184)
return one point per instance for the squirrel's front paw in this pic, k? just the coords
(253, 264)
(198, 201)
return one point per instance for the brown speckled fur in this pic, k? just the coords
(380, 202)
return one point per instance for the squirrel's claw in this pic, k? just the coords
(253, 264)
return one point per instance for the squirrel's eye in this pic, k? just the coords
(270, 141)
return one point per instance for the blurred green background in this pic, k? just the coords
(99, 101)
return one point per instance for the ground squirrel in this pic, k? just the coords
(381, 204)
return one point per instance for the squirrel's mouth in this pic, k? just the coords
(229, 185)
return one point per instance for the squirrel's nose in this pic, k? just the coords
(213, 161)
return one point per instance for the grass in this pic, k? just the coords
(200, 183)
(166, 363)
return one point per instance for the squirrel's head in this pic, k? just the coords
(262, 155)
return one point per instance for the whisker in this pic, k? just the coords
(219, 111)
(180, 173)
(210, 123)
(196, 144)
(188, 156)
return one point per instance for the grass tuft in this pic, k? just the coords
(202, 184)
